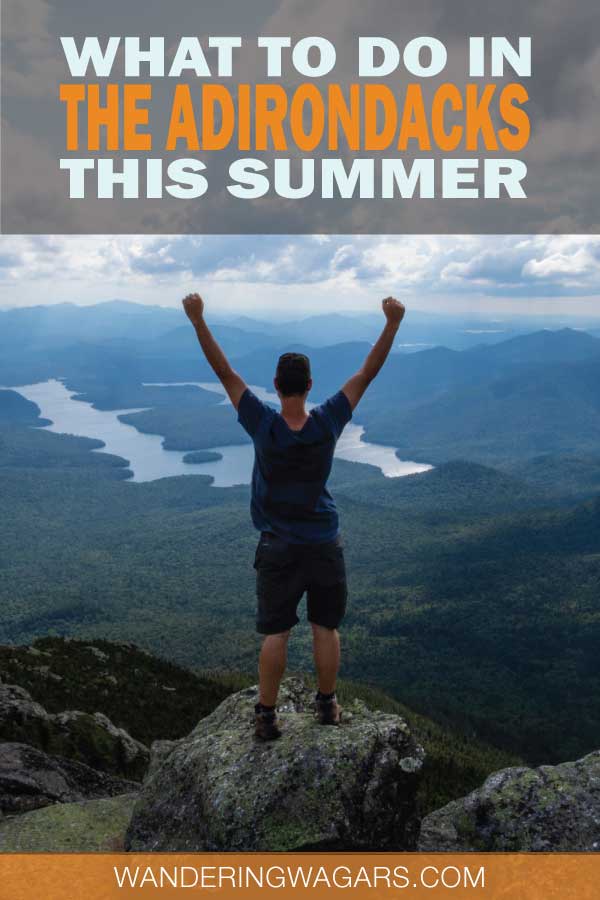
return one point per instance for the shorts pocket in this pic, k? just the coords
(329, 568)
(272, 555)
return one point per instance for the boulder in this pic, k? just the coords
(88, 738)
(93, 739)
(21, 718)
(317, 787)
(552, 808)
(30, 779)
(160, 751)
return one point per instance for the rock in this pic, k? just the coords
(348, 787)
(99, 654)
(552, 808)
(159, 752)
(30, 779)
(21, 718)
(91, 739)
(90, 826)
(94, 739)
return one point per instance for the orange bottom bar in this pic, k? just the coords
(496, 876)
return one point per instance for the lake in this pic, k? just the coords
(149, 460)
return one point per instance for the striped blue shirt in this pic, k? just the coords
(291, 468)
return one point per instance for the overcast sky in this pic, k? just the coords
(563, 155)
(483, 274)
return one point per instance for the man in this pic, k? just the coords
(300, 549)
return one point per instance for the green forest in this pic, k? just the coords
(97, 677)
(474, 587)
(474, 594)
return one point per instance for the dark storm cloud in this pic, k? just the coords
(563, 156)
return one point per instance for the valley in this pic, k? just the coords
(474, 585)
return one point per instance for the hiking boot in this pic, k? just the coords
(327, 709)
(265, 723)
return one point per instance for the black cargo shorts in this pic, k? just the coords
(284, 572)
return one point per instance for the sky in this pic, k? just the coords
(282, 274)
(562, 155)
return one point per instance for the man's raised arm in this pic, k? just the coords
(357, 385)
(235, 386)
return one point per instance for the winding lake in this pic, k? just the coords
(149, 460)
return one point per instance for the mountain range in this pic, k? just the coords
(474, 586)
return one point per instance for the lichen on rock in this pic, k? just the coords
(87, 826)
(548, 809)
(347, 787)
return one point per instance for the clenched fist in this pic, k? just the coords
(194, 307)
(393, 309)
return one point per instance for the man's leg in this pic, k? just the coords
(326, 649)
(271, 666)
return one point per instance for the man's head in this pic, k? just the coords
(292, 378)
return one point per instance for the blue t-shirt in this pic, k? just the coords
(291, 468)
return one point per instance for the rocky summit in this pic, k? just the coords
(66, 757)
(30, 779)
(552, 808)
(317, 787)
(91, 739)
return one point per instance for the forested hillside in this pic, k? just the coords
(474, 586)
(551, 409)
(165, 702)
(474, 594)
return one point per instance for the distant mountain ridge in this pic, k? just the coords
(62, 323)
(550, 408)
(532, 394)
(57, 325)
(562, 345)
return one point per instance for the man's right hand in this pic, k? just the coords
(393, 309)
(357, 385)
(193, 305)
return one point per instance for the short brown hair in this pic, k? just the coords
(293, 374)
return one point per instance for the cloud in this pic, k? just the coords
(251, 267)
(562, 159)
(574, 264)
